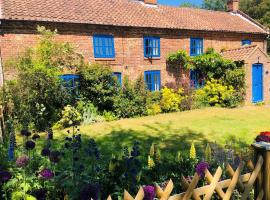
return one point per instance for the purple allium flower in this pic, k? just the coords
(54, 156)
(201, 167)
(25, 133)
(40, 194)
(262, 138)
(4, 176)
(46, 174)
(22, 161)
(149, 192)
(45, 152)
(90, 192)
(30, 145)
(35, 136)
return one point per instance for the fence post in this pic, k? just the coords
(263, 181)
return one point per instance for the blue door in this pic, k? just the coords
(257, 83)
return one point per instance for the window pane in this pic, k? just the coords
(151, 47)
(103, 46)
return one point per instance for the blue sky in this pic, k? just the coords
(178, 2)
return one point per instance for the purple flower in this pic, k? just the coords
(35, 136)
(90, 192)
(201, 167)
(46, 174)
(149, 192)
(25, 133)
(45, 152)
(30, 145)
(4, 176)
(54, 156)
(22, 161)
(262, 138)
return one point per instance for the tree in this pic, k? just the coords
(215, 5)
(258, 10)
(188, 5)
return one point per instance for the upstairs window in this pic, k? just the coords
(196, 46)
(246, 42)
(152, 80)
(118, 76)
(151, 47)
(104, 46)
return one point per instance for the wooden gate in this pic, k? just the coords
(221, 189)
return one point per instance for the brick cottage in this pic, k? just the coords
(134, 37)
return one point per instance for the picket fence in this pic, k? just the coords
(221, 189)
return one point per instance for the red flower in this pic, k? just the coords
(265, 133)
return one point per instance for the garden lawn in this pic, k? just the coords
(175, 131)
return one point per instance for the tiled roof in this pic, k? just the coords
(130, 13)
(239, 54)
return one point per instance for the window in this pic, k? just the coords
(118, 76)
(196, 79)
(151, 47)
(103, 46)
(71, 81)
(152, 80)
(246, 42)
(196, 46)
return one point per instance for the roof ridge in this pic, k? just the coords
(243, 47)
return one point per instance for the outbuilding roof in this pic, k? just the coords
(127, 13)
(240, 54)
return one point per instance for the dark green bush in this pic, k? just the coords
(98, 85)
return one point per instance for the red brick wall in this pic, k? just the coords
(128, 45)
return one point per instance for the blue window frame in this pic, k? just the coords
(196, 46)
(70, 81)
(246, 42)
(151, 47)
(118, 76)
(196, 79)
(152, 80)
(103, 46)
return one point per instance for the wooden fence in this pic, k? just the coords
(256, 179)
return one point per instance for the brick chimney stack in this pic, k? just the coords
(152, 2)
(233, 5)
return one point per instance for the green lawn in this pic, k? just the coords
(176, 131)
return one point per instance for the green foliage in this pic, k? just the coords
(215, 94)
(98, 85)
(215, 5)
(109, 116)
(154, 109)
(188, 5)
(37, 95)
(171, 100)
(180, 58)
(70, 116)
(131, 100)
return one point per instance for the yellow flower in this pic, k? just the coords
(152, 150)
(151, 162)
(208, 153)
(158, 155)
(192, 152)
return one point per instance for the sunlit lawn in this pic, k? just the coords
(175, 131)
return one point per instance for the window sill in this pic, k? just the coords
(105, 59)
(153, 58)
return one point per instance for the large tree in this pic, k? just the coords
(215, 5)
(258, 10)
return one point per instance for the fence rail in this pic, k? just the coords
(224, 189)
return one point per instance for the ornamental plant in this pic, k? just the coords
(171, 100)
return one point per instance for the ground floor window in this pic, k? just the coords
(118, 76)
(196, 79)
(152, 80)
(71, 81)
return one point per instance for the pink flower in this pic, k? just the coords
(22, 161)
(46, 174)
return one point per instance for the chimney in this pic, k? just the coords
(233, 5)
(152, 2)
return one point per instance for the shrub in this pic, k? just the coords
(37, 94)
(89, 112)
(131, 100)
(109, 116)
(171, 100)
(215, 94)
(154, 109)
(70, 116)
(98, 85)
